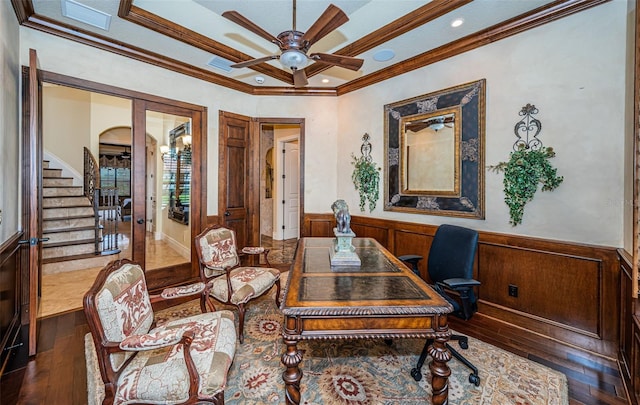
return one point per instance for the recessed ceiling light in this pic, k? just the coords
(259, 79)
(325, 80)
(88, 15)
(383, 55)
(457, 22)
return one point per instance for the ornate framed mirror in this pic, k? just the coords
(434, 153)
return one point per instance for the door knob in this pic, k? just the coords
(227, 213)
(140, 220)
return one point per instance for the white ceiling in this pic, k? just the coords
(275, 16)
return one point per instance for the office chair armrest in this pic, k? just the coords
(410, 258)
(459, 283)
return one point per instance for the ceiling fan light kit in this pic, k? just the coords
(293, 59)
(295, 44)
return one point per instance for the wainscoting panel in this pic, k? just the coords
(558, 288)
(567, 292)
(10, 308)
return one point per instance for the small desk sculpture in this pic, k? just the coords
(343, 253)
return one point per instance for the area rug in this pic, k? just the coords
(358, 372)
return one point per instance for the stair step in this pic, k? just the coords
(49, 172)
(61, 249)
(69, 234)
(76, 262)
(68, 222)
(62, 191)
(64, 212)
(57, 181)
(70, 201)
(45, 164)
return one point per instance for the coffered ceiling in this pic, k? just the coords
(192, 37)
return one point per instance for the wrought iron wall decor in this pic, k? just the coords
(527, 126)
(528, 165)
(366, 175)
(434, 153)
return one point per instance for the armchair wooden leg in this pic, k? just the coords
(278, 293)
(241, 322)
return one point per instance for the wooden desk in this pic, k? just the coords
(380, 299)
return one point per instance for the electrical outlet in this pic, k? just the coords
(513, 290)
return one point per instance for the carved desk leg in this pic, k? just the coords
(440, 370)
(292, 375)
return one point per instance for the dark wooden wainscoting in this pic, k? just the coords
(629, 356)
(567, 293)
(11, 356)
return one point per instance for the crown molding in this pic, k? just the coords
(27, 17)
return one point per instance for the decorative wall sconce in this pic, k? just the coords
(164, 150)
(186, 141)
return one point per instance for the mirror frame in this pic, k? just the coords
(469, 100)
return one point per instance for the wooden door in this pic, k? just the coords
(291, 195)
(235, 188)
(32, 192)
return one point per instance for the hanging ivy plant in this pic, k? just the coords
(366, 179)
(523, 172)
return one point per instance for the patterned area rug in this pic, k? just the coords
(354, 372)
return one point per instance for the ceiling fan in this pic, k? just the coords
(295, 44)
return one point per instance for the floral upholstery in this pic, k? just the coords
(253, 250)
(152, 367)
(246, 283)
(183, 290)
(218, 250)
(219, 269)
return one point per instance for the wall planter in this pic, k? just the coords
(366, 176)
(527, 167)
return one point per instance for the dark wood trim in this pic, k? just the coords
(402, 25)
(568, 291)
(10, 273)
(170, 29)
(550, 12)
(542, 15)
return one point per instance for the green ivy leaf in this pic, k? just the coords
(523, 172)
(366, 179)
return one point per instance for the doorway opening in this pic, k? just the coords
(280, 188)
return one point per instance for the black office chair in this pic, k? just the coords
(450, 267)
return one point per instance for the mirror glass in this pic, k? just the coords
(430, 147)
(179, 173)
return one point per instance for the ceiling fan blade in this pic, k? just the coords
(299, 78)
(248, 24)
(256, 61)
(331, 19)
(346, 62)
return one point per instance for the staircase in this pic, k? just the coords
(68, 219)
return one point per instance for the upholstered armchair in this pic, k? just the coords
(182, 361)
(227, 281)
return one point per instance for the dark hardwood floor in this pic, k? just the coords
(57, 374)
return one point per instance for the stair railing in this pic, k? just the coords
(107, 202)
(106, 205)
(91, 175)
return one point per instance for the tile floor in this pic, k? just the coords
(63, 291)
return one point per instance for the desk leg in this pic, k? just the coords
(440, 371)
(292, 375)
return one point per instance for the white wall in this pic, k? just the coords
(9, 123)
(70, 58)
(66, 124)
(573, 70)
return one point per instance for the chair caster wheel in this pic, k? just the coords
(464, 344)
(416, 374)
(474, 379)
